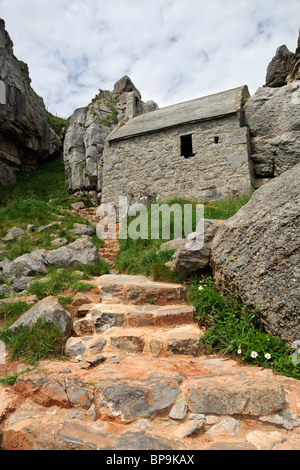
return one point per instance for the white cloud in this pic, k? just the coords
(173, 50)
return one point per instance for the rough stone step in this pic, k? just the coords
(163, 404)
(137, 290)
(100, 317)
(157, 342)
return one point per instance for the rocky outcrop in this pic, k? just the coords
(256, 253)
(88, 128)
(279, 68)
(26, 139)
(273, 115)
(284, 68)
(81, 252)
(193, 253)
(48, 310)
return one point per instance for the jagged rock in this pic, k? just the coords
(87, 130)
(227, 427)
(78, 205)
(22, 283)
(256, 253)
(82, 229)
(75, 346)
(279, 68)
(284, 67)
(49, 310)
(179, 410)
(62, 391)
(60, 242)
(42, 389)
(26, 265)
(13, 233)
(8, 402)
(273, 115)
(26, 138)
(81, 252)
(131, 399)
(189, 428)
(194, 254)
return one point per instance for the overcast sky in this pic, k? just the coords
(173, 50)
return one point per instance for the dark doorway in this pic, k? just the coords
(187, 146)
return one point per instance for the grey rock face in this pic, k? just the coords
(284, 67)
(87, 130)
(48, 310)
(194, 254)
(81, 252)
(133, 399)
(25, 135)
(257, 253)
(279, 67)
(273, 115)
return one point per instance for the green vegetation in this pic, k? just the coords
(56, 123)
(10, 312)
(31, 345)
(40, 198)
(59, 280)
(109, 119)
(142, 256)
(234, 328)
(10, 379)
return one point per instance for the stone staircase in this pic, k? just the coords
(136, 380)
(135, 316)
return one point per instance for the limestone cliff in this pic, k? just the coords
(26, 138)
(273, 115)
(88, 128)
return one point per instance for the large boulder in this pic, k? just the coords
(279, 67)
(273, 115)
(48, 310)
(81, 252)
(256, 253)
(26, 138)
(193, 253)
(284, 67)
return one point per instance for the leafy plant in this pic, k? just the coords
(234, 328)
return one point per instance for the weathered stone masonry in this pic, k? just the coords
(205, 159)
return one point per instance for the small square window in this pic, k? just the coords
(187, 146)
(216, 139)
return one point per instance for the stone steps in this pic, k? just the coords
(137, 290)
(206, 403)
(156, 342)
(136, 380)
(135, 316)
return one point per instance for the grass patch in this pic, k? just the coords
(142, 256)
(11, 379)
(56, 123)
(31, 345)
(57, 281)
(10, 312)
(235, 329)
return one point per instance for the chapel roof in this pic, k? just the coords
(199, 109)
